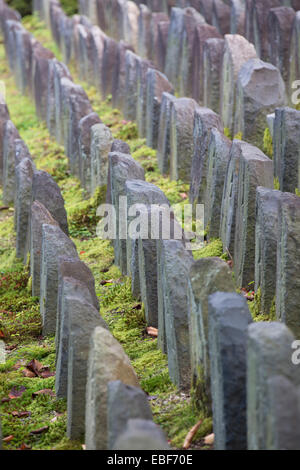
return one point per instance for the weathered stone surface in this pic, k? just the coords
(181, 20)
(39, 216)
(237, 17)
(257, 27)
(85, 63)
(283, 428)
(181, 138)
(107, 362)
(204, 121)
(131, 96)
(205, 7)
(47, 192)
(221, 16)
(294, 62)
(23, 61)
(266, 238)
(4, 116)
(10, 134)
(286, 148)
(146, 194)
(142, 67)
(97, 49)
(121, 168)
(260, 89)
(175, 263)
(124, 402)
(157, 85)
(218, 158)
(120, 146)
(228, 320)
(255, 169)
(130, 23)
(84, 128)
(280, 23)
(269, 355)
(288, 282)
(197, 71)
(110, 54)
(142, 435)
(83, 320)
(270, 122)
(206, 276)
(55, 243)
(40, 57)
(78, 271)
(72, 288)
(163, 141)
(191, 51)
(237, 51)
(162, 41)
(59, 71)
(101, 142)
(144, 32)
(24, 178)
(76, 105)
(119, 76)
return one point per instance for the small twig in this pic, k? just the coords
(191, 434)
(4, 208)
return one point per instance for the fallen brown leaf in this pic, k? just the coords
(191, 434)
(2, 335)
(209, 440)
(28, 373)
(24, 447)
(21, 414)
(5, 400)
(8, 438)
(152, 331)
(40, 430)
(14, 393)
(45, 391)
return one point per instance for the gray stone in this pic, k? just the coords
(221, 16)
(59, 71)
(75, 289)
(286, 148)
(157, 85)
(101, 142)
(47, 192)
(204, 121)
(257, 24)
(196, 74)
(23, 61)
(121, 168)
(107, 362)
(255, 169)
(84, 127)
(78, 271)
(83, 320)
(161, 47)
(10, 134)
(213, 50)
(175, 263)
(124, 402)
(206, 276)
(288, 282)
(283, 418)
(130, 23)
(269, 354)
(40, 57)
(279, 26)
(218, 158)
(76, 105)
(271, 122)
(142, 67)
(237, 51)
(260, 89)
(294, 62)
(144, 32)
(229, 199)
(191, 52)
(110, 55)
(85, 63)
(39, 216)
(267, 209)
(120, 146)
(228, 319)
(119, 76)
(163, 140)
(237, 17)
(97, 49)
(55, 243)
(181, 138)
(24, 178)
(4, 116)
(142, 435)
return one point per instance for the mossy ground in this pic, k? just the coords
(19, 312)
